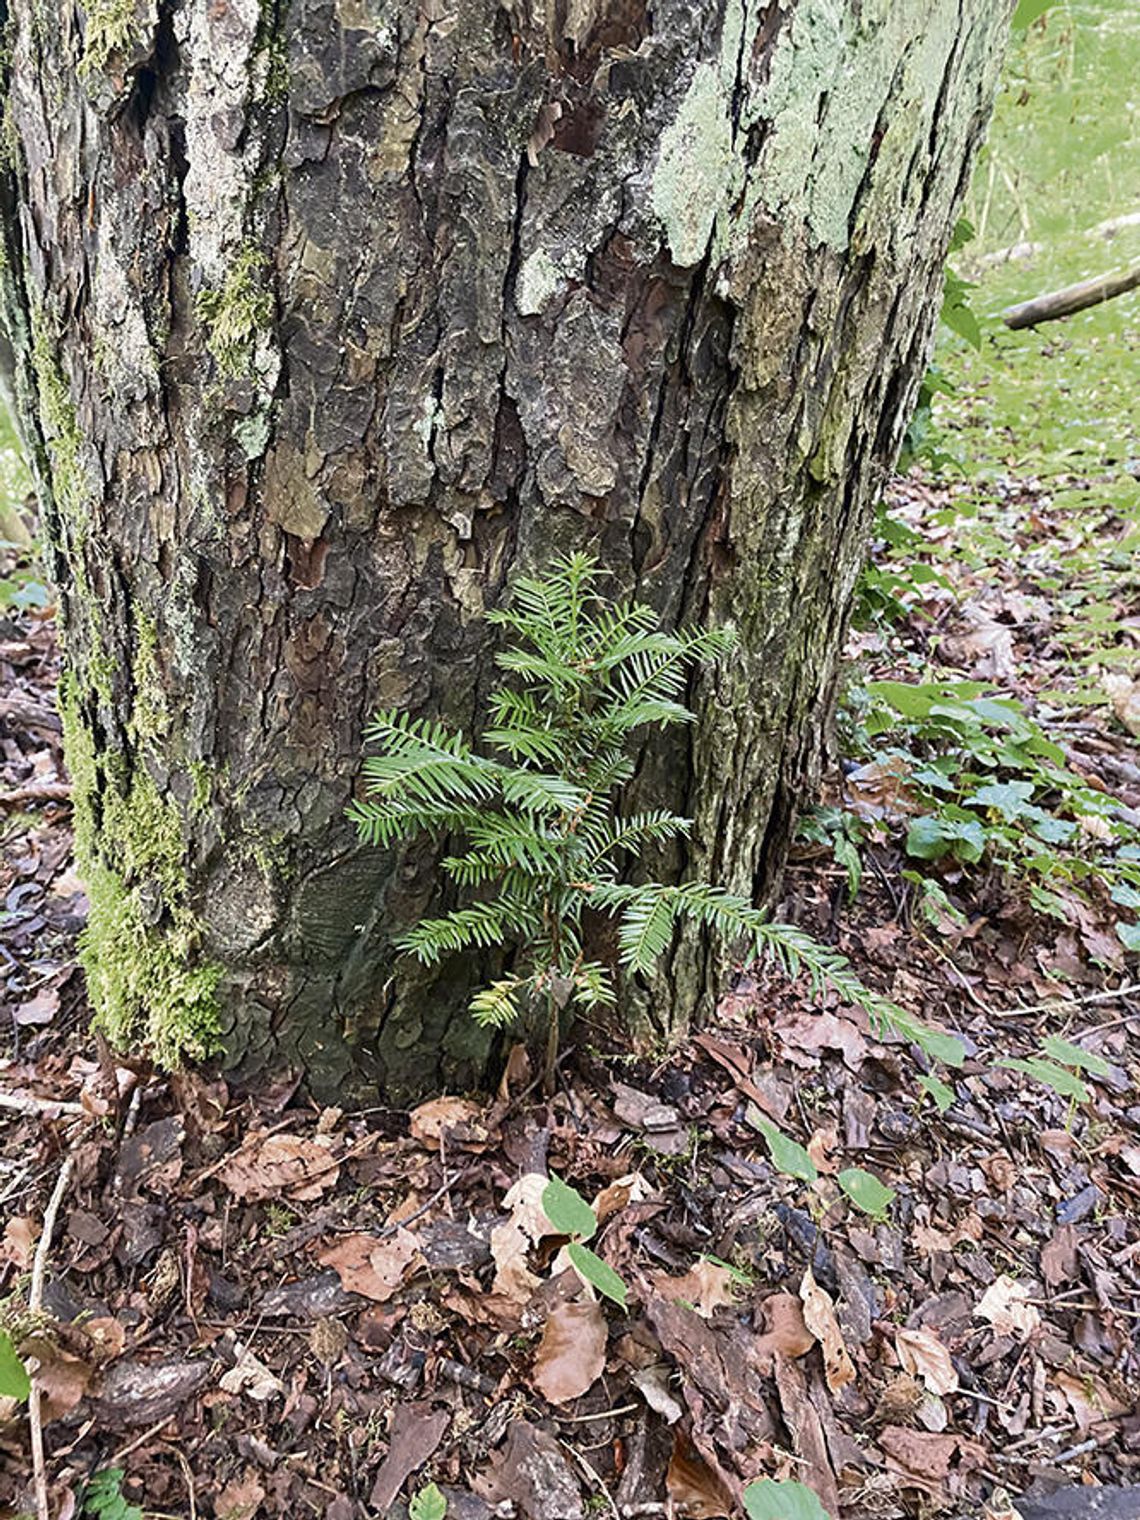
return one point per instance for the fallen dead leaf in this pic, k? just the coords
(275, 1166)
(63, 1379)
(1124, 695)
(706, 1286)
(1004, 1304)
(372, 1265)
(417, 1429)
(571, 1353)
(819, 1318)
(785, 1332)
(510, 1247)
(923, 1355)
(653, 1385)
(1090, 1399)
(454, 1122)
(250, 1375)
(19, 1242)
(241, 1498)
(812, 1032)
(693, 1486)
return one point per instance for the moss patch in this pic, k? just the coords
(111, 27)
(237, 315)
(140, 946)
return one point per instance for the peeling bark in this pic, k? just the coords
(327, 314)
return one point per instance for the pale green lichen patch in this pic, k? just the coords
(140, 948)
(239, 315)
(111, 27)
(539, 279)
(695, 168)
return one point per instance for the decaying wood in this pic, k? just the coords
(1055, 304)
(327, 317)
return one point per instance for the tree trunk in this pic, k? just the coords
(328, 314)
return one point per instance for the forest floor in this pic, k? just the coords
(255, 1307)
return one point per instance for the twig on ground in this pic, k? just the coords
(595, 1478)
(1056, 1004)
(35, 1305)
(51, 1108)
(44, 791)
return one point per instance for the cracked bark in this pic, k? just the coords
(654, 279)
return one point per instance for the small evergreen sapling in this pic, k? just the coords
(537, 813)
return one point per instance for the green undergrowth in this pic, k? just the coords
(139, 948)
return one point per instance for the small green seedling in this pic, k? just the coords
(866, 1192)
(14, 1380)
(428, 1504)
(571, 1215)
(768, 1499)
(103, 1497)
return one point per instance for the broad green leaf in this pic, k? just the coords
(1056, 1077)
(428, 1504)
(599, 1274)
(865, 1191)
(1008, 797)
(1129, 936)
(1124, 894)
(1029, 11)
(14, 1382)
(939, 1091)
(947, 1048)
(933, 835)
(788, 1156)
(768, 1499)
(567, 1211)
(1067, 1054)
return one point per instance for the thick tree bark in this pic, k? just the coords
(327, 314)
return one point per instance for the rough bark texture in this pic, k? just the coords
(327, 314)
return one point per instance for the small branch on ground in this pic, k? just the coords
(1073, 298)
(35, 1304)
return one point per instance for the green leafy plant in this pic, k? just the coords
(788, 1156)
(428, 1504)
(768, 1499)
(980, 782)
(571, 1215)
(538, 811)
(14, 1382)
(103, 1497)
(866, 1192)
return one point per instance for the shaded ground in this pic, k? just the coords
(261, 1308)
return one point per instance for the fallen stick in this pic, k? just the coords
(1073, 298)
(51, 1108)
(35, 1304)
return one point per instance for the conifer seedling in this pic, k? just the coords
(536, 813)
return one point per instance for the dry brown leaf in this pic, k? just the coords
(706, 1286)
(819, 1317)
(1004, 1305)
(456, 1121)
(923, 1355)
(417, 1429)
(524, 1199)
(695, 1489)
(812, 1032)
(653, 1385)
(1059, 1261)
(809, 1441)
(571, 1353)
(250, 1375)
(275, 1166)
(923, 1458)
(784, 1332)
(63, 1379)
(107, 1338)
(513, 1278)
(1091, 1400)
(19, 1242)
(241, 1498)
(373, 1266)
